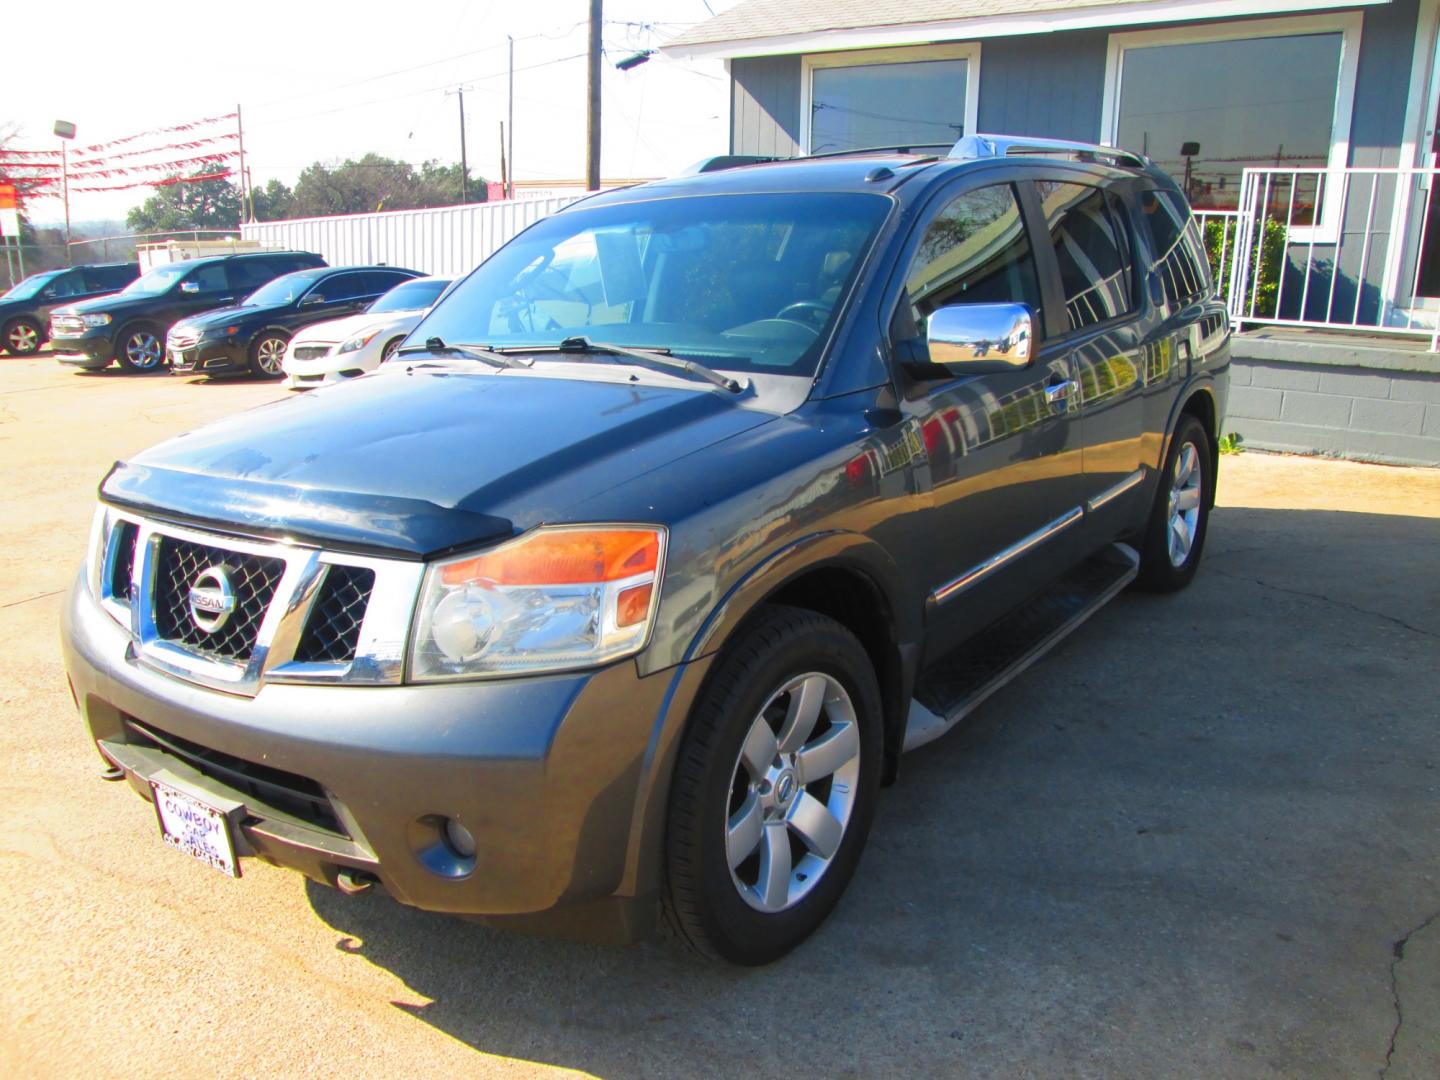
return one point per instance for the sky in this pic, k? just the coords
(327, 81)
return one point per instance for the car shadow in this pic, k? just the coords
(1183, 842)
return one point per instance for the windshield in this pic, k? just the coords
(156, 281)
(24, 290)
(283, 290)
(739, 282)
(411, 296)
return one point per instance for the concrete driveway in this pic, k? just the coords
(1202, 839)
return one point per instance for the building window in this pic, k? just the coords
(1208, 102)
(923, 98)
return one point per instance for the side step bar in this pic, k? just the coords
(956, 684)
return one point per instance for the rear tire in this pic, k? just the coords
(22, 337)
(267, 355)
(774, 789)
(140, 348)
(1175, 534)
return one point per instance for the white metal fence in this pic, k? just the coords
(1331, 249)
(450, 240)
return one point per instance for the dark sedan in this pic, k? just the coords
(250, 338)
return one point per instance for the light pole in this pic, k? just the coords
(66, 131)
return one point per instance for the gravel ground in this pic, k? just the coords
(1200, 839)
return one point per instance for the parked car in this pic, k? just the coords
(131, 325)
(25, 309)
(343, 348)
(625, 584)
(251, 337)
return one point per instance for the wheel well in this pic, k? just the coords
(1202, 406)
(852, 599)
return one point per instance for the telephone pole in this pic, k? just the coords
(592, 119)
(464, 168)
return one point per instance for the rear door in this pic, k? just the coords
(1091, 238)
(1004, 449)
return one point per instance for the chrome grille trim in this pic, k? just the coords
(380, 648)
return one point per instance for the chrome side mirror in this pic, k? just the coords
(972, 339)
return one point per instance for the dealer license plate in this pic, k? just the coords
(180, 358)
(190, 825)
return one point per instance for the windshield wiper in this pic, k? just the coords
(434, 346)
(653, 358)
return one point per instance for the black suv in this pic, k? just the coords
(251, 337)
(25, 309)
(131, 326)
(701, 503)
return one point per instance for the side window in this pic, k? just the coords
(1092, 250)
(343, 287)
(1180, 256)
(110, 278)
(975, 251)
(210, 278)
(247, 275)
(71, 284)
(382, 281)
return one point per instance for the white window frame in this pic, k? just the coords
(968, 51)
(1348, 24)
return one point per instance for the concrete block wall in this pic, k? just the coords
(1367, 403)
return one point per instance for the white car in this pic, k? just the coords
(343, 348)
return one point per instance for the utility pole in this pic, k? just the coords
(464, 166)
(65, 130)
(247, 202)
(592, 119)
(507, 150)
(505, 189)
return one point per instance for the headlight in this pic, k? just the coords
(95, 320)
(360, 341)
(558, 598)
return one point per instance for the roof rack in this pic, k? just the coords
(725, 161)
(997, 146)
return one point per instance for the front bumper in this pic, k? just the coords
(555, 777)
(92, 350)
(210, 357)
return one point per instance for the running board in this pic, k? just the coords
(956, 684)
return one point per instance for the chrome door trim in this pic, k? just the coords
(980, 571)
(1095, 502)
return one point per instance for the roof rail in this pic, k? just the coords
(725, 161)
(995, 146)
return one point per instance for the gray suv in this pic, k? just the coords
(624, 586)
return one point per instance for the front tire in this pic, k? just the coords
(22, 337)
(1175, 534)
(774, 788)
(140, 348)
(267, 355)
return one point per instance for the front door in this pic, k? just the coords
(1004, 449)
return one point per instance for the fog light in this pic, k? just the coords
(459, 838)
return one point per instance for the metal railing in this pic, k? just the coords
(1227, 225)
(1333, 249)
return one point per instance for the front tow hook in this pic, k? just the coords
(354, 882)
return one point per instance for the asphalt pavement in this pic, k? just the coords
(1200, 839)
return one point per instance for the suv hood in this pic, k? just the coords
(112, 303)
(417, 461)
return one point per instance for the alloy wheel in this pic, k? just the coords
(22, 338)
(271, 355)
(792, 792)
(142, 350)
(1184, 504)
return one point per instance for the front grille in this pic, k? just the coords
(253, 578)
(123, 568)
(297, 796)
(67, 324)
(182, 339)
(333, 629)
(309, 352)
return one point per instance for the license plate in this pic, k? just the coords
(178, 358)
(193, 826)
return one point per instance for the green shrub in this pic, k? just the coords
(1272, 261)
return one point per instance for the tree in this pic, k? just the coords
(273, 202)
(377, 183)
(200, 204)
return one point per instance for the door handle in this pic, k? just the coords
(1058, 394)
